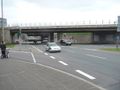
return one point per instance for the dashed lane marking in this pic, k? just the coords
(63, 63)
(95, 56)
(90, 49)
(52, 57)
(72, 75)
(85, 74)
(46, 53)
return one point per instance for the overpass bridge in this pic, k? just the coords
(65, 28)
(103, 33)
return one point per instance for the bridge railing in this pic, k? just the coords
(62, 26)
(89, 23)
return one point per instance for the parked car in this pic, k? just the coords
(53, 47)
(65, 42)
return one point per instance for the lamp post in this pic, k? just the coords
(2, 23)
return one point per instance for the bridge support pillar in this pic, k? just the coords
(55, 37)
(51, 37)
(103, 37)
(59, 36)
(99, 37)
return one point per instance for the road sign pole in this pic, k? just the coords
(2, 23)
(117, 41)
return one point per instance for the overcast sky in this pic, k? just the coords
(60, 11)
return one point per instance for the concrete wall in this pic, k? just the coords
(78, 38)
(105, 37)
(96, 38)
(7, 36)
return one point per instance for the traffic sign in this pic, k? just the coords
(118, 25)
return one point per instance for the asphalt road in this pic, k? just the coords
(95, 67)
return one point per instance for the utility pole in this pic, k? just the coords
(2, 21)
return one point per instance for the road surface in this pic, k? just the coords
(79, 65)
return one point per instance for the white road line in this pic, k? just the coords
(52, 57)
(66, 73)
(95, 56)
(46, 53)
(63, 63)
(33, 58)
(26, 52)
(90, 49)
(37, 49)
(19, 51)
(85, 74)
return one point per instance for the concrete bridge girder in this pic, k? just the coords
(101, 33)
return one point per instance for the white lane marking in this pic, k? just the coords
(46, 53)
(52, 57)
(69, 74)
(37, 49)
(95, 56)
(85, 74)
(19, 51)
(26, 52)
(63, 63)
(33, 58)
(90, 49)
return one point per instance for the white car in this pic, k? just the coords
(53, 47)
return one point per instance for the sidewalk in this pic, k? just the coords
(20, 75)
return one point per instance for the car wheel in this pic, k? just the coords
(59, 51)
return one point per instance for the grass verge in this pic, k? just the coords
(10, 45)
(111, 49)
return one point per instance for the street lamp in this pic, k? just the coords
(2, 23)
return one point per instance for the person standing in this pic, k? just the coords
(3, 49)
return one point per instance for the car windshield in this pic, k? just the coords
(67, 40)
(52, 44)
